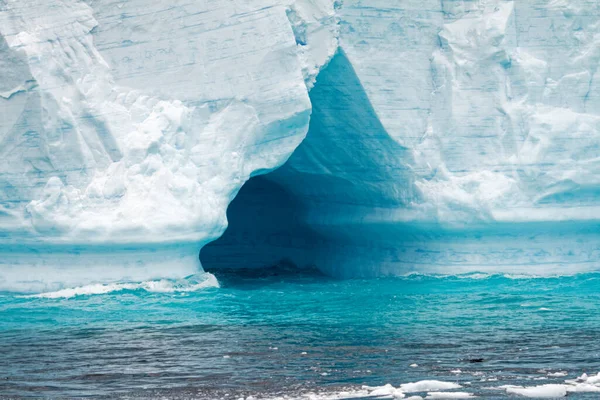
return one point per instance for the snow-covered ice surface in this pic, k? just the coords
(443, 136)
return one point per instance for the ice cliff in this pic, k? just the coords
(441, 136)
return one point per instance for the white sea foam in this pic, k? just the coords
(485, 275)
(189, 284)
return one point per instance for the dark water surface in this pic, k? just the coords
(287, 333)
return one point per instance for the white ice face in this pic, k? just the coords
(134, 123)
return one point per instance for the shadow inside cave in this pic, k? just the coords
(312, 211)
(266, 230)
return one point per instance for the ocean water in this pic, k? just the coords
(276, 332)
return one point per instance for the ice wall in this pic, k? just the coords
(126, 128)
(451, 137)
(445, 136)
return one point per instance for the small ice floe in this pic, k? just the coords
(386, 390)
(583, 384)
(413, 365)
(557, 374)
(304, 353)
(592, 380)
(449, 395)
(541, 392)
(428, 386)
(583, 388)
(226, 356)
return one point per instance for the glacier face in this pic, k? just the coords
(128, 127)
(445, 136)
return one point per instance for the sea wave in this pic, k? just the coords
(189, 284)
(487, 275)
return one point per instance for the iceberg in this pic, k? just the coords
(128, 127)
(446, 138)
(376, 137)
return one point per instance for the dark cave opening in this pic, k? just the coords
(311, 212)
(266, 229)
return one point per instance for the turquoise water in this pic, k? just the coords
(273, 332)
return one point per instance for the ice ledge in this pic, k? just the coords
(44, 268)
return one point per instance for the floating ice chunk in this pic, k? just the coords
(584, 383)
(594, 379)
(449, 395)
(583, 388)
(541, 392)
(387, 390)
(557, 374)
(428, 386)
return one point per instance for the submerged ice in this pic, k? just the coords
(441, 136)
